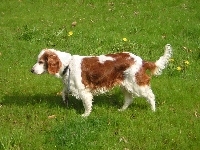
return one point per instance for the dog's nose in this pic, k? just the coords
(32, 70)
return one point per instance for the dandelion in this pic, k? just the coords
(171, 60)
(179, 68)
(187, 62)
(124, 39)
(70, 33)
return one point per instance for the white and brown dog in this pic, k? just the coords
(87, 76)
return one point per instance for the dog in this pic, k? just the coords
(86, 76)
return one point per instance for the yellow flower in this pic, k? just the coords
(179, 68)
(171, 60)
(187, 62)
(125, 39)
(70, 33)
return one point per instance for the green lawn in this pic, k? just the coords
(32, 114)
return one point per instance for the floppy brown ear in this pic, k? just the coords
(53, 63)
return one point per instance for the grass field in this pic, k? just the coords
(32, 114)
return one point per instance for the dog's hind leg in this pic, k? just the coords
(147, 93)
(151, 99)
(128, 99)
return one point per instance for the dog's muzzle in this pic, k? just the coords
(32, 70)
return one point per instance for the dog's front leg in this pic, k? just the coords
(65, 96)
(87, 103)
(88, 107)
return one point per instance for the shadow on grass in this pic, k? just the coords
(52, 100)
(24, 100)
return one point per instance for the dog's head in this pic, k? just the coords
(48, 61)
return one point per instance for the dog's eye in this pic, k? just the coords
(40, 62)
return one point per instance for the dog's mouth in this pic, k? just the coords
(32, 70)
(37, 73)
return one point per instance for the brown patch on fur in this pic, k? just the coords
(141, 76)
(105, 75)
(52, 61)
(149, 65)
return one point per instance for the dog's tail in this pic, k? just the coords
(157, 67)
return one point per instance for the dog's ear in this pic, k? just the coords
(53, 63)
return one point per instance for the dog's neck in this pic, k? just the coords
(65, 70)
(65, 59)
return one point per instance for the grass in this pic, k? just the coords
(32, 113)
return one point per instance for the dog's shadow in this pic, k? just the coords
(52, 100)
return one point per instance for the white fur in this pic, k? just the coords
(129, 86)
(103, 58)
(163, 60)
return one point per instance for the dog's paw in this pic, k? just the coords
(121, 109)
(85, 115)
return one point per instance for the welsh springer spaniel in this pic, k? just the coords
(86, 76)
